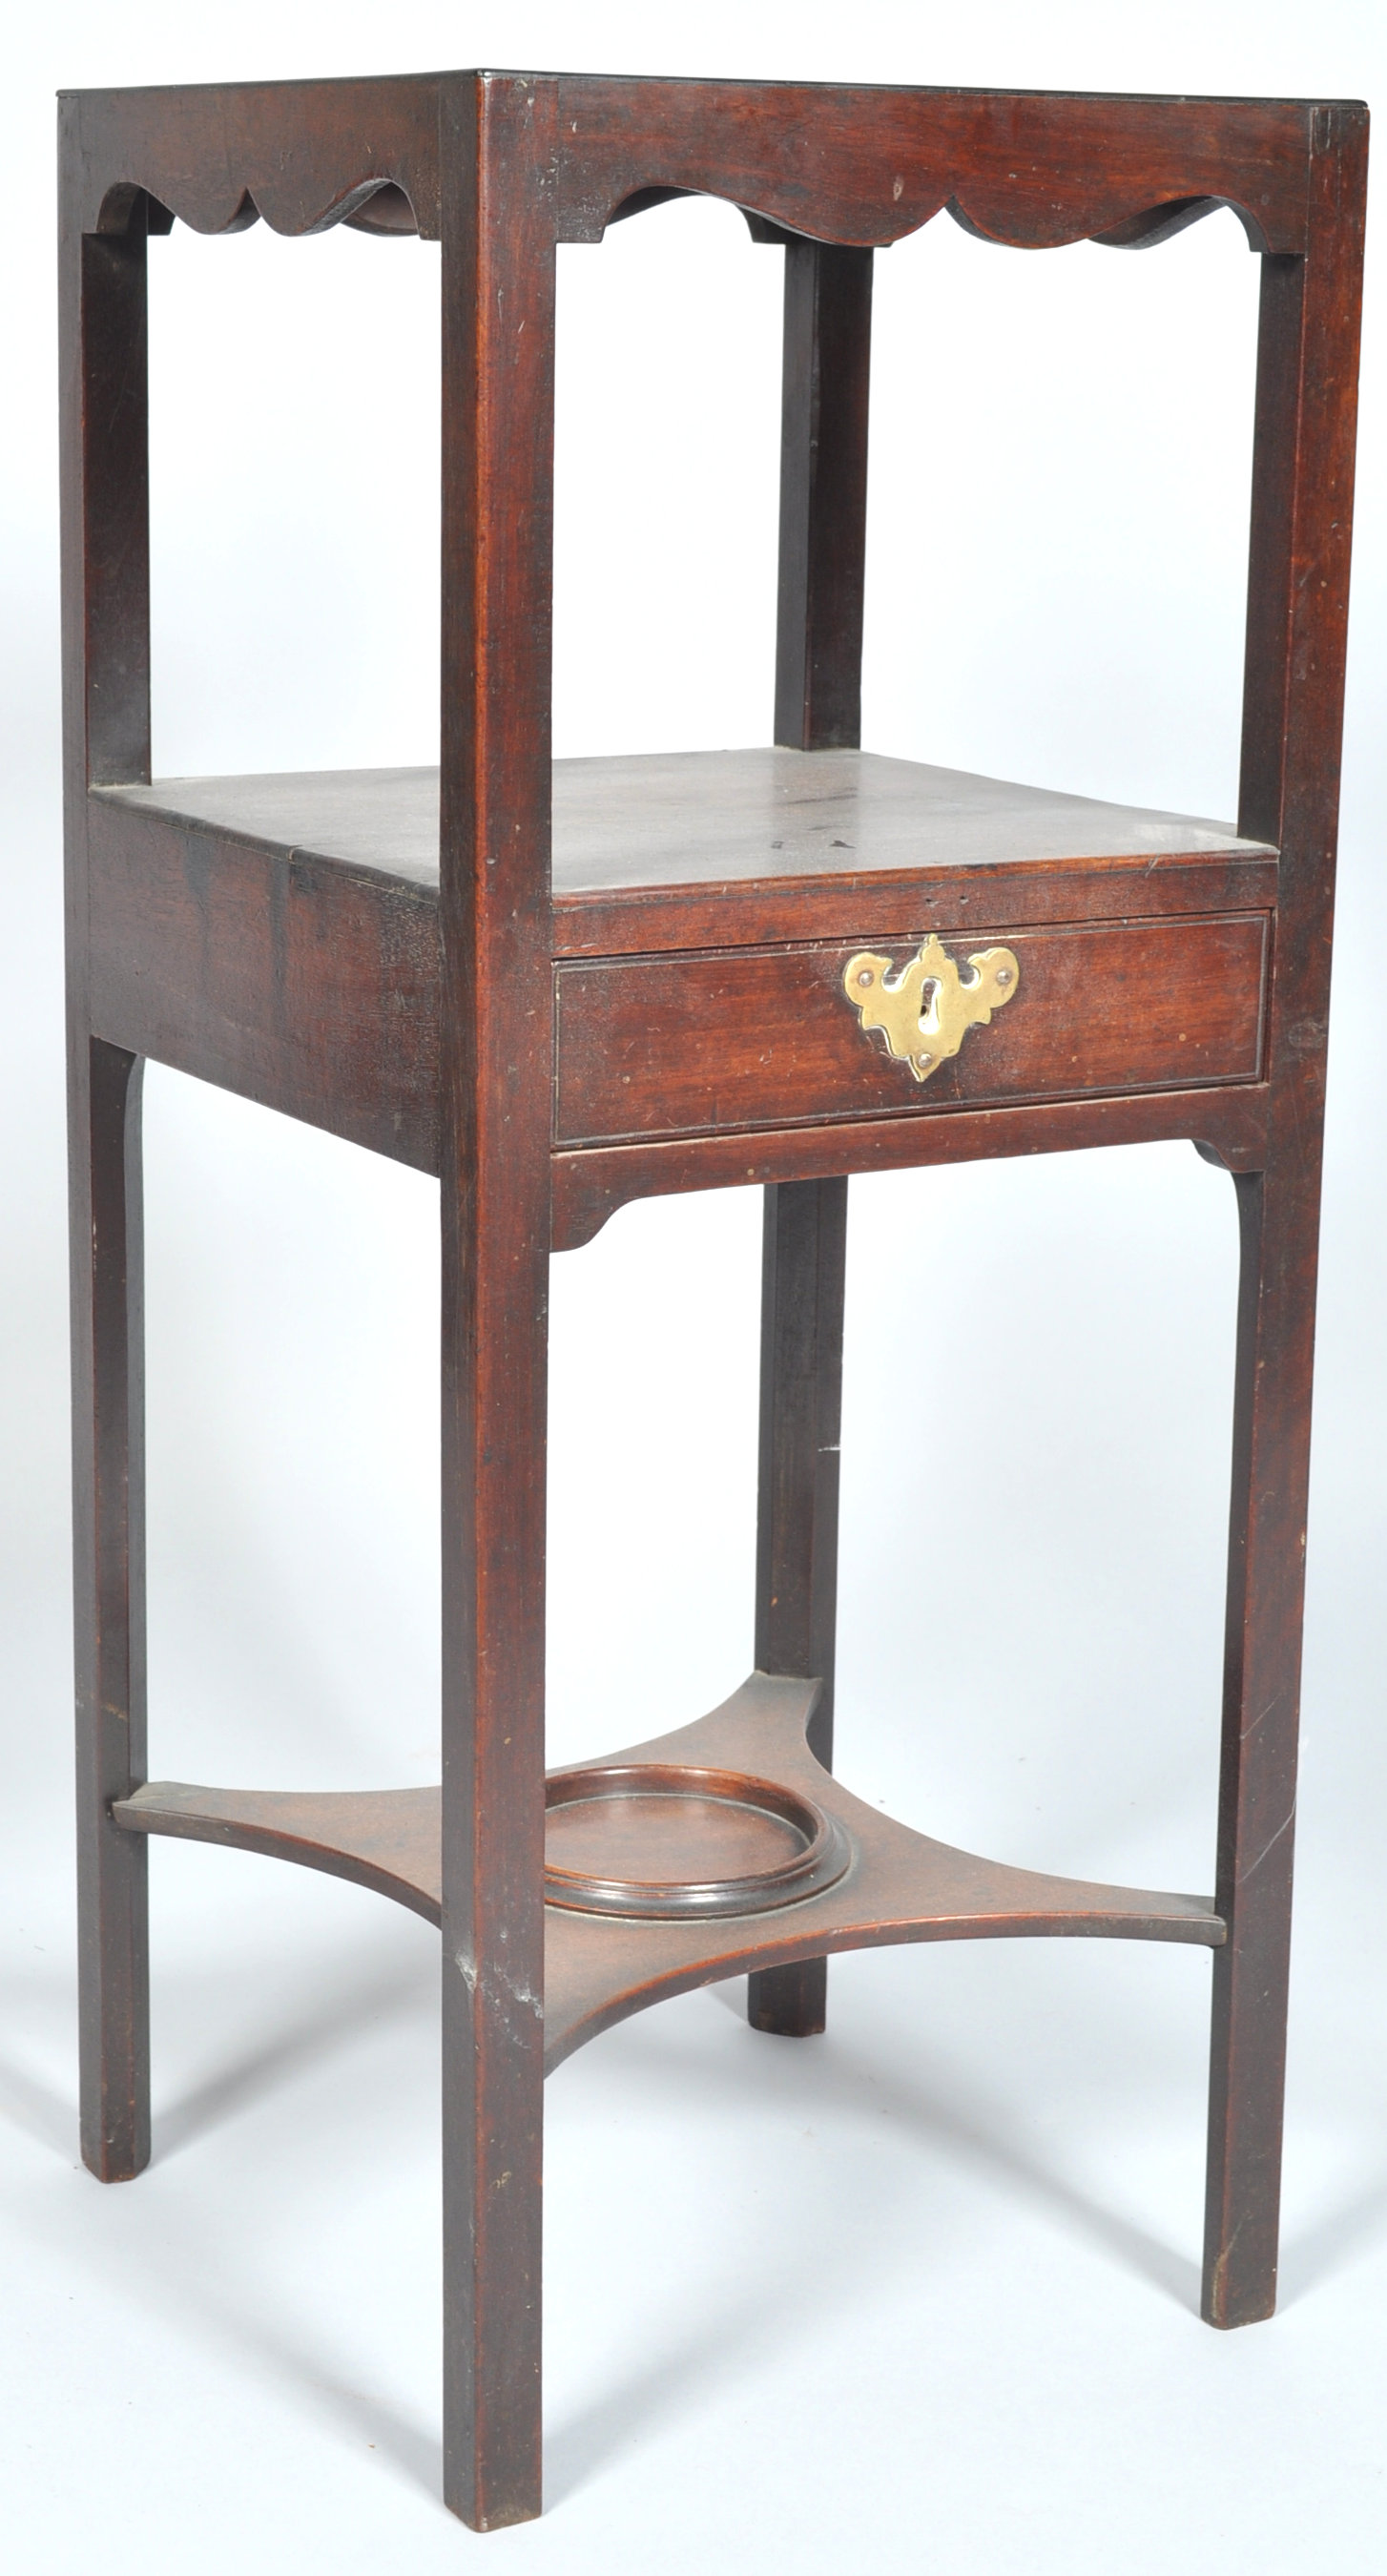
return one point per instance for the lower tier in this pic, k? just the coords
(649, 1848)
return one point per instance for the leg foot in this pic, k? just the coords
(790, 2003)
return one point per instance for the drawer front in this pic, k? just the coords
(706, 1043)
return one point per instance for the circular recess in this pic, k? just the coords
(670, 1843)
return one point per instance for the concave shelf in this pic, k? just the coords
(898, 1885)
(703, 819)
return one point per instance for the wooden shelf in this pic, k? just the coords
(706, 819)
(899, 1885)
(279, 935)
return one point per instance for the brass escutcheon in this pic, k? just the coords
(926, 1012)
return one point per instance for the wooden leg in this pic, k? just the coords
(1278, 1216)
(494, 1359)
(108, 1478)
(797, 1525)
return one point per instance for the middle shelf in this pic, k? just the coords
(280, 936)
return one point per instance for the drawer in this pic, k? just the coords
(769, 1037)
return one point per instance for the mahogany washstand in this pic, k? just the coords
(849, 963)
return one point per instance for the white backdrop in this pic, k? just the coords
(921, 2293)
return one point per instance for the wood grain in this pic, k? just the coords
(803, 1271)
(308, 984)
(1230, 1122)
(845, 165)
(901, 1886)
(825, 377)
(667, 821)
(280, 935)
(301, 154)
(496, 1058)
(865, 166)
(105, 505)
(381, 955)
(384, 1839)
(825, 392)
(750, 1038)
(1302, 512)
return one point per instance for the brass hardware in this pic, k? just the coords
(927, 1011)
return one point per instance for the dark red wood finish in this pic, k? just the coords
(499, 274)
(282, 938)
(804, 1259)
(408, 1002)
(1302, 510)
(898, 1886)
(106, 735)
(1115, 1007)
(825, 384)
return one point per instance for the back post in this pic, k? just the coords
(105, 518)
(818, 707)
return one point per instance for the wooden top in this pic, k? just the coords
(703, 819)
